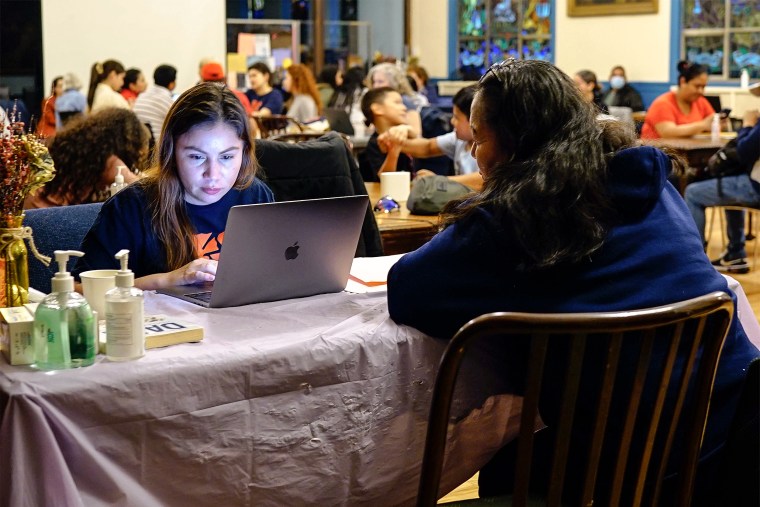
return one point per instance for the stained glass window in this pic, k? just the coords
(491, 30)
(724, 35)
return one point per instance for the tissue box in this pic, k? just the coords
(17, 342)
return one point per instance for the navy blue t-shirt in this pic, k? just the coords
(125, 222)
(272, 101)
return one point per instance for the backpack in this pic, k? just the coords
(724, 162)
(430, 194)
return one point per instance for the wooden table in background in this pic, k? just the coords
(697, 150)
(401, 231)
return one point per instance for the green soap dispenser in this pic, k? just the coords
(64, 330)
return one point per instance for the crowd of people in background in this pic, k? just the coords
(567, 200)
(385, 101)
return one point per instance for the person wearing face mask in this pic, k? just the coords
(620, 93)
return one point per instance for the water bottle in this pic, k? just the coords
(744, 79)
(715, 128)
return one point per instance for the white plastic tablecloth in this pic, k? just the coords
(313, 401)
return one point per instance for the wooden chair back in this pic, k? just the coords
(297, 137)
(641, 392)
(277, 124)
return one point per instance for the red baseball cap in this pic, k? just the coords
(212, 72)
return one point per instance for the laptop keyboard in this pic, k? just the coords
(200, 296)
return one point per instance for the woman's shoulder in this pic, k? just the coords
(664, 102)
(133, 196)
(105, 97)
(305, 99)
(668, 97)
(256, 193)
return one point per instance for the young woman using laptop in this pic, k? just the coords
(172, 220)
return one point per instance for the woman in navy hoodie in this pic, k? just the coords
(574, 216)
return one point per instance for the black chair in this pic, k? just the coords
(339, 120)
(58, 228)
(612, 437)
(322, 167)
(737, 484)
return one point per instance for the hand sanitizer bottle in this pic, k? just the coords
(715, 127)
(64, 330)
(118, 181)
(744, 79)
(125, 322)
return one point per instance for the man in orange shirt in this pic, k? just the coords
(213, 71)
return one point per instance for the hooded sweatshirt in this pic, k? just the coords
(652, 257)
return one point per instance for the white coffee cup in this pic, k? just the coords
(95, 284)
(396, 184)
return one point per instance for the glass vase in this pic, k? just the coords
(14, 265)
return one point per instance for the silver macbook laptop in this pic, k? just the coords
(282, 250)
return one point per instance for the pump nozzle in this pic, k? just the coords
(63, 281)
(119, 178)
(124, 277)
(123, 257)
(62, 258)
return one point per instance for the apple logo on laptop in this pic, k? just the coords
(292, 251)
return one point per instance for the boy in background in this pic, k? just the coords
(457, 144)
(383, 108)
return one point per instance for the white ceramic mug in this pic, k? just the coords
(396, 184)
(95, 284)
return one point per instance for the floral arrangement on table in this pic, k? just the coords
(25, 166)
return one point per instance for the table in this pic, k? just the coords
(401, 231)
(312, 401)
(697, 150)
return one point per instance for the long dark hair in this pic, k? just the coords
(550, 192)
(205, 104)
(100, 71)
(350, 90)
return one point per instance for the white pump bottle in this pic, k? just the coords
(125, 321)
(118, 181)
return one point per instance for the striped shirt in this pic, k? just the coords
(151, 107)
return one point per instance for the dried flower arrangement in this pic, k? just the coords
(25, 166)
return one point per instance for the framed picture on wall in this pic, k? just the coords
(610, 7)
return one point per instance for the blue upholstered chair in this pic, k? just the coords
(59, 228)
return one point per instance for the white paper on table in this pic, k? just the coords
(745, 312)
(370, 274)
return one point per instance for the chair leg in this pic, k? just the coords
(750, 229)
(752, 236)
(719, 210)
(708, 234)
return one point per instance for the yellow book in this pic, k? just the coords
(162, 331)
